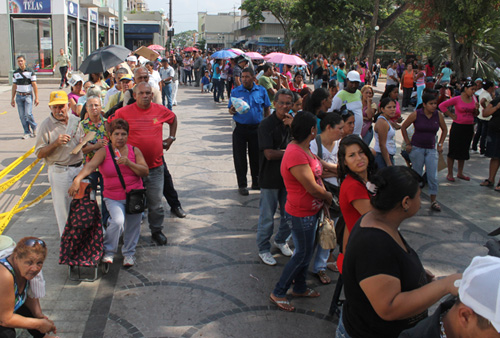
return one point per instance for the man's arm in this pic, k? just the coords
(172, 131)
(13, 99)
(267, 111)
(35, 90)
(49, 149)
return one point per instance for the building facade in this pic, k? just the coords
(145, 28)
(217, 29)
(268, 36)
(40, 28)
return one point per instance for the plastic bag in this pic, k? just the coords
(240, 105)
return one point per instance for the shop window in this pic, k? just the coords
(33, 39)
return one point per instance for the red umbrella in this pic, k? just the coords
(156, 47)
(191, 49)
(286, 59)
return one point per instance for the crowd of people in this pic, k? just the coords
(308, 152)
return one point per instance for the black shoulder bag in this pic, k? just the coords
(136, 198)
(335, 190)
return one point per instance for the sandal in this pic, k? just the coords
(486, 183)
(450, 178)
(332, 266)
(323, 277)
(497, 188)
(283, 305)
(310, 293)
(463, 177)
(435, 206)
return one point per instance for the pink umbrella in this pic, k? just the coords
(270, 55)
(156, 47)
(236, 51)
(254, 56)
(286, 59)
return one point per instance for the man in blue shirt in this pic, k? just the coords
(245, 133)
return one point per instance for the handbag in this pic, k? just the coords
(333, 189)
(136, 198)
(327, 236)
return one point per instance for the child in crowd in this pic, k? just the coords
(206, 84)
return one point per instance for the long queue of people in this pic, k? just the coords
(311, 156)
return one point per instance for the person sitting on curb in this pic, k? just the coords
(475, 313)
(206, 85)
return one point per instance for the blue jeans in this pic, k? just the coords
(153, 183)
(218, 89)
(166, 93)
(368, 136)
(420, 91)
(318, 83)
(269, 199)
(208, 87)
(375, 79)
(341, 331)
(303, 234)
(428, 157)
(25, 109)
(120, 222)
(379, 160)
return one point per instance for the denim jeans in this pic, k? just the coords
(60, 179)
(269, 199)
(318, 83)
(153, 183)
(341, 331)
(208, 87)
(218, 89)
(121, 222)
(379, 160)
(166, 93)
(303, 234)
(428, 157)
(25, 109)
(375, 79)
(368, 136)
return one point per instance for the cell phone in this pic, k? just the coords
(117, 154)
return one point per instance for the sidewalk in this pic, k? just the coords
(208, 281)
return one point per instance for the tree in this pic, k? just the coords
(281, 9)
(465, 23)
(201, 44)
(184, 39)
(406, 34)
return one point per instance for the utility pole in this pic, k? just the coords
(121, 33)
(171, 24)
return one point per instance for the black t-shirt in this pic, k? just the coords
(494, 123)
(318, 73)
(431, 326)
(273, 134)
(372, 252)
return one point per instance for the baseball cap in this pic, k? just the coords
(126, 77)
(479, 288)
(75, 78)
(478, 79)
(353, 76)
(132, 58)
(58, 97)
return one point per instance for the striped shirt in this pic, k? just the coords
(24, 82)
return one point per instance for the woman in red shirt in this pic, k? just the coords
(301, 172)
(356, 165)
(298, 83)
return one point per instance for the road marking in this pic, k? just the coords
(3, 113)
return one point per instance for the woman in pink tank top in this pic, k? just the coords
(132, 167)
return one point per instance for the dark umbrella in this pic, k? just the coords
(103, 59)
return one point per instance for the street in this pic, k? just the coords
(209, 281)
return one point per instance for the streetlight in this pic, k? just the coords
(279, 38)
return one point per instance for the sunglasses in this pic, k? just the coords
(32, 242)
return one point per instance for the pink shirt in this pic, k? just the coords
(464, 111)
(113, 189)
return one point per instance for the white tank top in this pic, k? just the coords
(391, 142)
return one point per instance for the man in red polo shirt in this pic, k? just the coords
(146, 132)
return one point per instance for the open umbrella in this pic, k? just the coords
(156, 47)
(191, 49)
(223, 54)
(103, 59)
(237, 51)
(254, 56)
(286, 59)
(270, 55)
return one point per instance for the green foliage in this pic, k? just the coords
(406, 34)
(183, 39)
(201, 44)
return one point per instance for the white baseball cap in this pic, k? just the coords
(479, 288)
(132, 58)
(353, 76)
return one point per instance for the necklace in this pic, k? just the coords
(442, 334)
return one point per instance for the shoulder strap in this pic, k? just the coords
(320, 147)
(21, 73)
(117, 167)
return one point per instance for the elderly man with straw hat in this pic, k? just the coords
(58, 135)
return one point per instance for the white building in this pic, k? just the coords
(217, 29)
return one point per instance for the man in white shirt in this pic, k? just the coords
(392, 75)
(166, 74)
(119, 73)
(350, 96)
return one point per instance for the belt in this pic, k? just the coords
(69, 165)
(23, 94)
(167, 82)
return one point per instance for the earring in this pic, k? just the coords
(406, 209)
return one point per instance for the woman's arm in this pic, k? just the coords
(361, 206)
(88, 169)
(140, 167)
(444, 132)
(305, 176)
(329, 169)
(386, 298)
(370, 111)
(382, 131)
(490, 109)
(72, 104)
(408, 122)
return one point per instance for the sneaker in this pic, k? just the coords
(128, 261)
(60, 87)
(108, 259)
(267, 258)
(33, 135)
(284, 248)
(25, 136)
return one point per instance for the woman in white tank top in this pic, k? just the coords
(384, 133)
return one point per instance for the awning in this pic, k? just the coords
(250, 42)
(268, 44)
(238, 42)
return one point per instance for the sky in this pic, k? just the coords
(185, 12)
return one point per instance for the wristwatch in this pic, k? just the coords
(440, 144)
(173, 138)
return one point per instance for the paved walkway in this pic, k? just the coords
(208, 281)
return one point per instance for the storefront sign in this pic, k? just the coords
(45, 43)
(29, 6)
(112, 23)
(93, 16)
(72, 9)
(84, 13)
(103, 21)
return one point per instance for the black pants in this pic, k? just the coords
(64, 79)
(480, 136)
(7, 332)
(245, 136)
(229, 86)
(407, 96)
(197, 77)
(168, 188)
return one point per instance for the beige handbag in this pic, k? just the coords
(327, 237)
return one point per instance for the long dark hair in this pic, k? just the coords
(387, 91)
(344, 170)
(329, 119)
(315, 100)
(393, 184)
(302, 125)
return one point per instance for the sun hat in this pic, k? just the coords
(75, 78)
(353, 76)
(58, 97)
(479, 288)
(132, 58)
